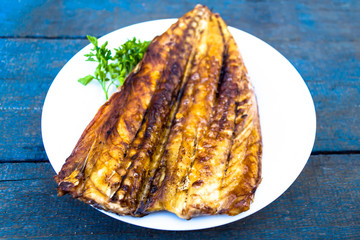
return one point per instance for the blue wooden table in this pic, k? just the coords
(320, 38)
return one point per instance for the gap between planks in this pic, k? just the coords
(314, 153)
(84, 37)
(46, 37)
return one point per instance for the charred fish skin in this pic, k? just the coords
(243, 177)
(157, 114)
(182, 134)
(137, 90)
(109, 120)
(212, 151)
(109, 177)
(243, 172)
(160, 149)
(112, 140)
(71, 174)
(190, 122)
(227, 165)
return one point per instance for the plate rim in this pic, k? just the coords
(243, 215)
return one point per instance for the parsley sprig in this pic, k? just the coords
(112, 70)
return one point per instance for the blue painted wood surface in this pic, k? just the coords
(320, 204)
(320, 38)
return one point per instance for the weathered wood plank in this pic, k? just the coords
(328, 187)
(30, 65)
(316, 20)
(28, 69)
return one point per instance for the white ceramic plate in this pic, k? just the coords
(287, 117)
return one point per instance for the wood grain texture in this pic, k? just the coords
(27, 71)
(320, 38)
(286, 20)
(321, 204)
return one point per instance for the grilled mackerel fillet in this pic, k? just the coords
(181, 135)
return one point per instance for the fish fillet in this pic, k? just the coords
(182, 134)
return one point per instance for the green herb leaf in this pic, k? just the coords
(85, 80)
(92, 39)
(113, 70)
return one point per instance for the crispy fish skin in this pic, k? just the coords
(190, 122)
(243, 172)
(116, 122)
(115, 125)
(227, 165)
(212, 151)
(111, 122)
(183, 133)
(160, 148)
(141, 153)
(110, 177)
(142, 80)
(106, 179)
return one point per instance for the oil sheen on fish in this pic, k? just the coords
(96, 167)
(182, 134)
(195, 111)
(226, 169)
(243, 171)
(141, 152)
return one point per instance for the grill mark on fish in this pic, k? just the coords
(186, 77)
(214, 155)
(159, 110)
(191, 119)
(114, 182)
(159, 170)
(155, 160)
(123, 137)
(104, 118)
(210, 159)
(144, 146)
(241, 176)
(249, 177)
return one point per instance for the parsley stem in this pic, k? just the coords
(113, 70)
